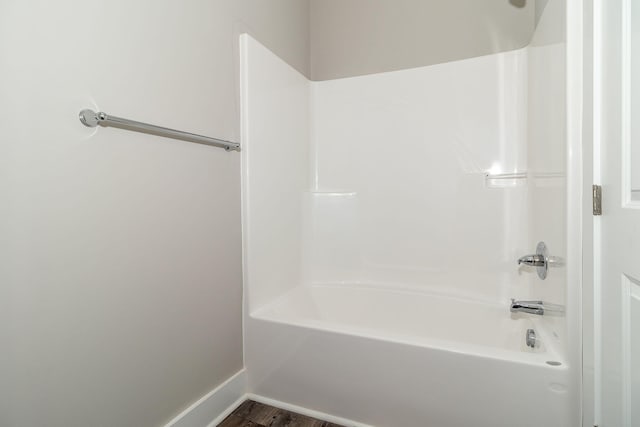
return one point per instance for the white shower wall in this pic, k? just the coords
(275, 171)
(382, 179)
(399, 194)
(546, 146)
(547, 157)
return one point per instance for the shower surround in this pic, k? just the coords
(382, 218)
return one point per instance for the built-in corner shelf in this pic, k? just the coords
(518, 179)
(505, 180)
(332, 193)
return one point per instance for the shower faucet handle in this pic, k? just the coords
(532, 260)
(536, 307)
(540, 260)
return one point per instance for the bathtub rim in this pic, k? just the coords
(551, 353)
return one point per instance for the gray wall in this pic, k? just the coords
(355, 37)
(540, 5)
(120, 253)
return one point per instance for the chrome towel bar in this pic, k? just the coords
(92, 119)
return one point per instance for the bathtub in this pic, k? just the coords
(393, 358)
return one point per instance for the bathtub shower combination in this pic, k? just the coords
(384, 217)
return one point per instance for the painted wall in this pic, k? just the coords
(120, 262)
(356, 37)
(539, 9)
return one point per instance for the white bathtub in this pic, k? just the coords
(432, 361)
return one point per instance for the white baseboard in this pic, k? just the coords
(304, 411)
(214, 406)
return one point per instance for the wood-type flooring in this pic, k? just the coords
(254, 414)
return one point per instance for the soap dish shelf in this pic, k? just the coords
(505, 180)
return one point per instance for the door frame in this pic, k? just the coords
(581, 98)
(591, 16)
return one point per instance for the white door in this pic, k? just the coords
(620, 222)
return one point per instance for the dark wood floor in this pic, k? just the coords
(254, 414)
